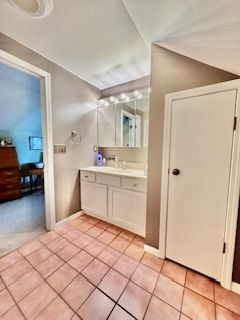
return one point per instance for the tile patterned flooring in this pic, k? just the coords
(91, 270)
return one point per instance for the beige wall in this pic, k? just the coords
(74, 102)
(127, 154)
(170, 72)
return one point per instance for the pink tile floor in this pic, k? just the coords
(91, 270)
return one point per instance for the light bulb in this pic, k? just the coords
(136, 93)
(123, 96)
(101, 102)
(106, 103)
(139, 96)
(112, 99)
(127, 99)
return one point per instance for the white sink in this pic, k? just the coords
(118, 171)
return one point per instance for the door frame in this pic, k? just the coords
(234, 180)
(138, 128)
(132, 135)
(47, 131)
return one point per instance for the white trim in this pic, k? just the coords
(235, 287)
(117, 222)
(151, 250)
(132, 116)
(66, 220)
(164, 184)
(233, 199)
(45, 79)
(138, 120)
(233, 204)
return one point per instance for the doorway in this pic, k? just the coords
(32, 166)
(200, 184)
(130, 129)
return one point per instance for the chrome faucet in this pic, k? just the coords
(124, 165)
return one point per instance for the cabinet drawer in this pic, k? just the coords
(88, 176)
(134, 184)
(109, 180)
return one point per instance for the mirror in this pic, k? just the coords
(106, 126)
(124, 124)
(142, 122)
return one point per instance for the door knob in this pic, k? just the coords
(175, 172)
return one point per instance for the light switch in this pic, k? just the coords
(60, 148)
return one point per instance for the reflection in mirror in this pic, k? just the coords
(125, 123)
(127, 130)
(106, 125)
(142, 122)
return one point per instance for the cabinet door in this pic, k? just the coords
(94, 198)
(128, 209)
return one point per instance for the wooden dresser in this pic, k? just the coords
(10, 178)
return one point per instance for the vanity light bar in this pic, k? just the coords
(123, 97)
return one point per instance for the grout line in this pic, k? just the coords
(214, 300)
(94, 285)
(58, 294)
(16, 304)
(152, 294)
(66, 262)
(184, 286)
(44, 279)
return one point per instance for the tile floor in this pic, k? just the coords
(91, 270)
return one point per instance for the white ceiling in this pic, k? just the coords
(108, 42)
(95, 39)
(205, 30)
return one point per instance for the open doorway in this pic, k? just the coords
(130, 129)
(27, 207)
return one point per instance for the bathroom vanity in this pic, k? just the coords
(115, 195)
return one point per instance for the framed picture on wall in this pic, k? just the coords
(35, 143)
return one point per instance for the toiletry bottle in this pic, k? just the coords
(99, 159)
(104, 162)
(116, 163)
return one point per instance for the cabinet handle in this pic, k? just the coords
(134, 184)
(85, 176)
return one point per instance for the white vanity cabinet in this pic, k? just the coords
(94, 198)
(120, 200)
(127, 208)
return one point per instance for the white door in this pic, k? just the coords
(200, 148)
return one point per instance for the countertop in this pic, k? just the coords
(133, 173)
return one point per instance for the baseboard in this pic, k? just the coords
(151, 250)
(73, 216)
(116, 222)
(235, 287)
